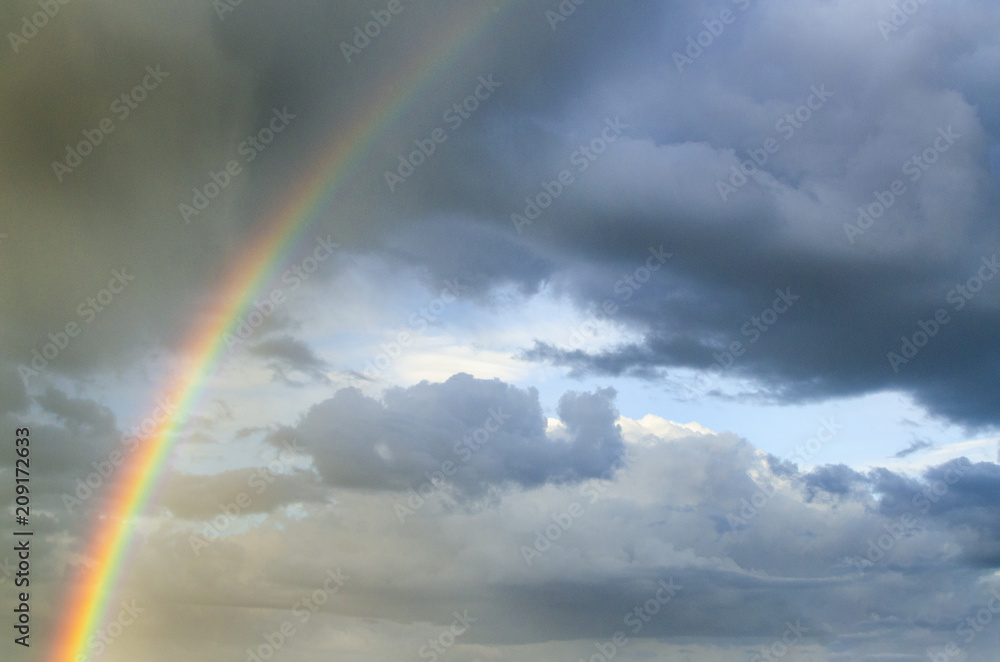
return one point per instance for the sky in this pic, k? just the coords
(605, 330)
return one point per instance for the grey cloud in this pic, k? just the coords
(654, 521)
(13, 396)
(655, 185)
(915, 445)
(784, 228)
(263, 488)
(490, 433)
(77, 412)
(837, 479)
(287, 353)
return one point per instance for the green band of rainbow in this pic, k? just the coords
(280, 232)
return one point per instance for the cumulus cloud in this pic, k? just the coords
(477, 435)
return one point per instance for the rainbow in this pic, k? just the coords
(281, 230)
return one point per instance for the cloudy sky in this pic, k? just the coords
(634, 330)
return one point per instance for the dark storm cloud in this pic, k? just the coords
(833, 479)
(477, 435)
(785, 228)
(77, 412)
(859, 293)
(655, 184)
(478, 257)
(955, 498)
